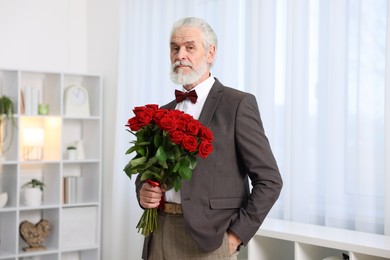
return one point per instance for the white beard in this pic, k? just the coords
(190, 78)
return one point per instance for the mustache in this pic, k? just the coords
(181, 63)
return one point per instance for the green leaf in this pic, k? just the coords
(177, 165)
(145, 175)
(161, 155)
(185, 162)
(166, 140)
(163, 164)
(192, 160)
(157, 140)
(177, 152)
(131, 149)
(140, 149)
(177, 184)
(138, 161)
(135, 171)
(150, 175)
(157, 176)
(128, 170)
(142, 143)
(151, 162)
(185, 172)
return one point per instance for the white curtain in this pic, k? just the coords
(317, 69)
(328, 111)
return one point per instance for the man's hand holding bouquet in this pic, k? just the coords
(166, 145)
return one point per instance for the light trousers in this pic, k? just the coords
(171, 242)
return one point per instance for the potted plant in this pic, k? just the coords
(33, 192)
(6, 115)
(72, 152)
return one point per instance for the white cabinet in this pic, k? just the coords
(285, 240)
(72, 193)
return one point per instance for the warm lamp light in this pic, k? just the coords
(33, 139)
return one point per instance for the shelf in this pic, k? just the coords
(292, 240)
(88, 254)
(51, 143)
(47, 87)
(8, 235)
(79, 227)
(80, 204)
(6, 256)
(88, 131)
(38, 150)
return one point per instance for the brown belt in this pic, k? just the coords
(172, 208)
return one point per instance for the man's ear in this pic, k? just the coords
(211, 54)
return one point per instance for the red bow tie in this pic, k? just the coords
(180, 96)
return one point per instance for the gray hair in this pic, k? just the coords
(209, 36)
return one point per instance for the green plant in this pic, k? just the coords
(34, 183)
(6, 106)
(6, 114)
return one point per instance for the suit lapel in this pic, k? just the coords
(211, 103)
(170, 105)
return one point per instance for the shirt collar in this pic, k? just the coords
(203, 88)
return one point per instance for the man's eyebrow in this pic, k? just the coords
(186, 43)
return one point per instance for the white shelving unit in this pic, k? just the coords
(285, 240)
(75, 225)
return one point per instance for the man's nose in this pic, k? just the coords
(182, 53)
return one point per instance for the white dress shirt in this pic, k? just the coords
(202, 90)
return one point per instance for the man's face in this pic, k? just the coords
(190, 61)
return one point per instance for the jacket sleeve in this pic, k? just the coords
(258, 161)
(138, 186)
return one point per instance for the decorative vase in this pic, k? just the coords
(33, 197)
(72, 154)
(3, 199)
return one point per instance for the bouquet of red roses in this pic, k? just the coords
(166, 145)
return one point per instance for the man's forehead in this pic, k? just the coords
(186, 35)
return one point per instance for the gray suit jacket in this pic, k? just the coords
(218, 198)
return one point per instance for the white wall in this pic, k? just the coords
(43, 35)
(102, 59)
(68, 36)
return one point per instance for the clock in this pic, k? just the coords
(76, 101)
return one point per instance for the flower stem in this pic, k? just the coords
(148, 222)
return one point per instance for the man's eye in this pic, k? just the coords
(190, 48)
(175, 49)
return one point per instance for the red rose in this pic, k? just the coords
(206, 133)
(205, 148)
(193, 127)
(133, 124)
(152, 106)
(168, 124)
(145, 118)
(158, 115)
(138, 110)
(190, 143)
(176, 136)
(187, 118)
(181, 125)
(176, 114)
(144, 115)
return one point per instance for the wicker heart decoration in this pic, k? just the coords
(34, 235)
